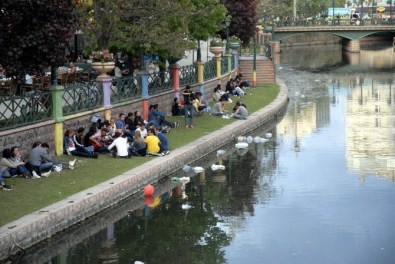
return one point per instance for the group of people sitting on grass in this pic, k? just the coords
(38, 164)
(128, 136)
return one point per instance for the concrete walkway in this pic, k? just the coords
(36, 227)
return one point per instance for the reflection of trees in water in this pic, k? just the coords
(174, 235)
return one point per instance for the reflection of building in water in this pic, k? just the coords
(372, 58)
(304, 118)
(370, 130)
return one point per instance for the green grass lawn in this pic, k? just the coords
(28, 196)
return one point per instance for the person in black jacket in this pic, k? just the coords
(189, 97)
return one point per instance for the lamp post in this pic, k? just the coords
(333, 12)
(77, 32)
(227, 24)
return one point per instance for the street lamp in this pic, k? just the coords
(77, 32)
(227, 24)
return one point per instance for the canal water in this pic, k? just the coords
(315, 186)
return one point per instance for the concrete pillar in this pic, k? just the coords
(145, 94)
(352, 46)
(175, 70)
(276, 47)
(218, 64)
(106, 84)
(57, 114)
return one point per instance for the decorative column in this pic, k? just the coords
(144, 94)
(236, 59)
(217, 51)
(106, 84)
(175, 70)
(57, 114)
(200, 76)
(218, 64)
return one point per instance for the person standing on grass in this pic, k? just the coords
(189, 97)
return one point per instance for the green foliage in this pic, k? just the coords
(31, 195)
(150, 27)
(244, 19)
(206, 19)
(34, 34)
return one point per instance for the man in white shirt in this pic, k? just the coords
(121, 144)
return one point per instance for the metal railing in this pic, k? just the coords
(188, 75)
(224, 64)
(209, 71)
(124, 89)
(17, 111)
(159, 82)
(82, 97)
(316, 22)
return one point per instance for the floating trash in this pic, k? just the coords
(186, 206)
(198, 169)
(187, 168)
(221, 152)
(241, 139)
(241, 145)
(215, 167)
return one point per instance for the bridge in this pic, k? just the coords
(351, 34)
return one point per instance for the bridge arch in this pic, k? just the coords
(349, 35)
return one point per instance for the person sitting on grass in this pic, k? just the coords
(70, 149)
(39, 160)
(142, 129)
(99, 139)
(64, 164)
(177, 109)
(138, 146)
(17, 157)
(10, 168)
(164, 146)
(153, 143)
(219, 107)
(240, 111)
(198, 104)
(121, 145)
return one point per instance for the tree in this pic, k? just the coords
(159, 27)
(34, 33)
(244, 19)
(207, 18)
